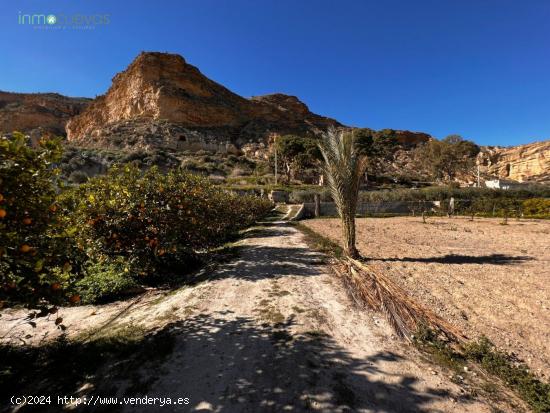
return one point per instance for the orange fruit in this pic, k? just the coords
(25, 248)
(56, 286)
(27, 221)
(1, 197)
(53, 208)
(3, 213)
(74, 299)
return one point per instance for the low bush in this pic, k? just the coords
(102, 281)
(516, 375)
(78, 177)
(483, 353)
(308, 195)
(436, 193)
(532, 201)
(536, 207)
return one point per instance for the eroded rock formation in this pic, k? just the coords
(521, 163)
(28, 112)
(161, 87)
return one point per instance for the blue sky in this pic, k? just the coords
(477, 68)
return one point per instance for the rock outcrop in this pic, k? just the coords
(161, 101)
(44, 112)
(161, 87)
(523, 163)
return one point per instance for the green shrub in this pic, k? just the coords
(536, 207)
(479, 201)
(156, 222)
(104, 281)
(308, 195)
(78, 177)
(35, 263)
(516, 375)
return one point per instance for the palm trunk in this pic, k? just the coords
(348, 235)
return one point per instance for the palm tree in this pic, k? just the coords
(344, 167)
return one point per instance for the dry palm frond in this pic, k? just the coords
(369, 288)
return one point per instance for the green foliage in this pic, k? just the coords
(447, 158)
(98, 239)
(536, 207)
(78, 177)
(498, 363)
(376, 144)
(33, 258)
(308, 195)
(528, 202)
(296, 153)
(155, 221)
(379, 147)
(102, 281)
(515, 375)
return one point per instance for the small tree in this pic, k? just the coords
(296, 153)
(344, 166)
(447, 158)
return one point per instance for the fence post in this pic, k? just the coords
(317, 199)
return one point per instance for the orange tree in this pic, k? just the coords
(153, 221)
(33, 263)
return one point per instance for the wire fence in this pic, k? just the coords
(503, 208)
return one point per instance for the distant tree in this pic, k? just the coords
(445, 159)
(378, 146)
(296, 153)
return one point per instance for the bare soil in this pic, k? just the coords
(487, 278)
(270, 331)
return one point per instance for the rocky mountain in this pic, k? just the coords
(162, 102)
(521, 163)
(160, 99)
(39, 112)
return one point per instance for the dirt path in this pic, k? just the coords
(273, 331)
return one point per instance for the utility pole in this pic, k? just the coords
(275, 145)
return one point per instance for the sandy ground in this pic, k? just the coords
(270, 331)
(485, 277)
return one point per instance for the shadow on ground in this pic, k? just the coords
(224, 363)
(495, 259)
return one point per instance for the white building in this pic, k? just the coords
(502, 184)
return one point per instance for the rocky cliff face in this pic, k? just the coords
(160, 101)
(28, 112)
(160, 87)
(522, 163)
